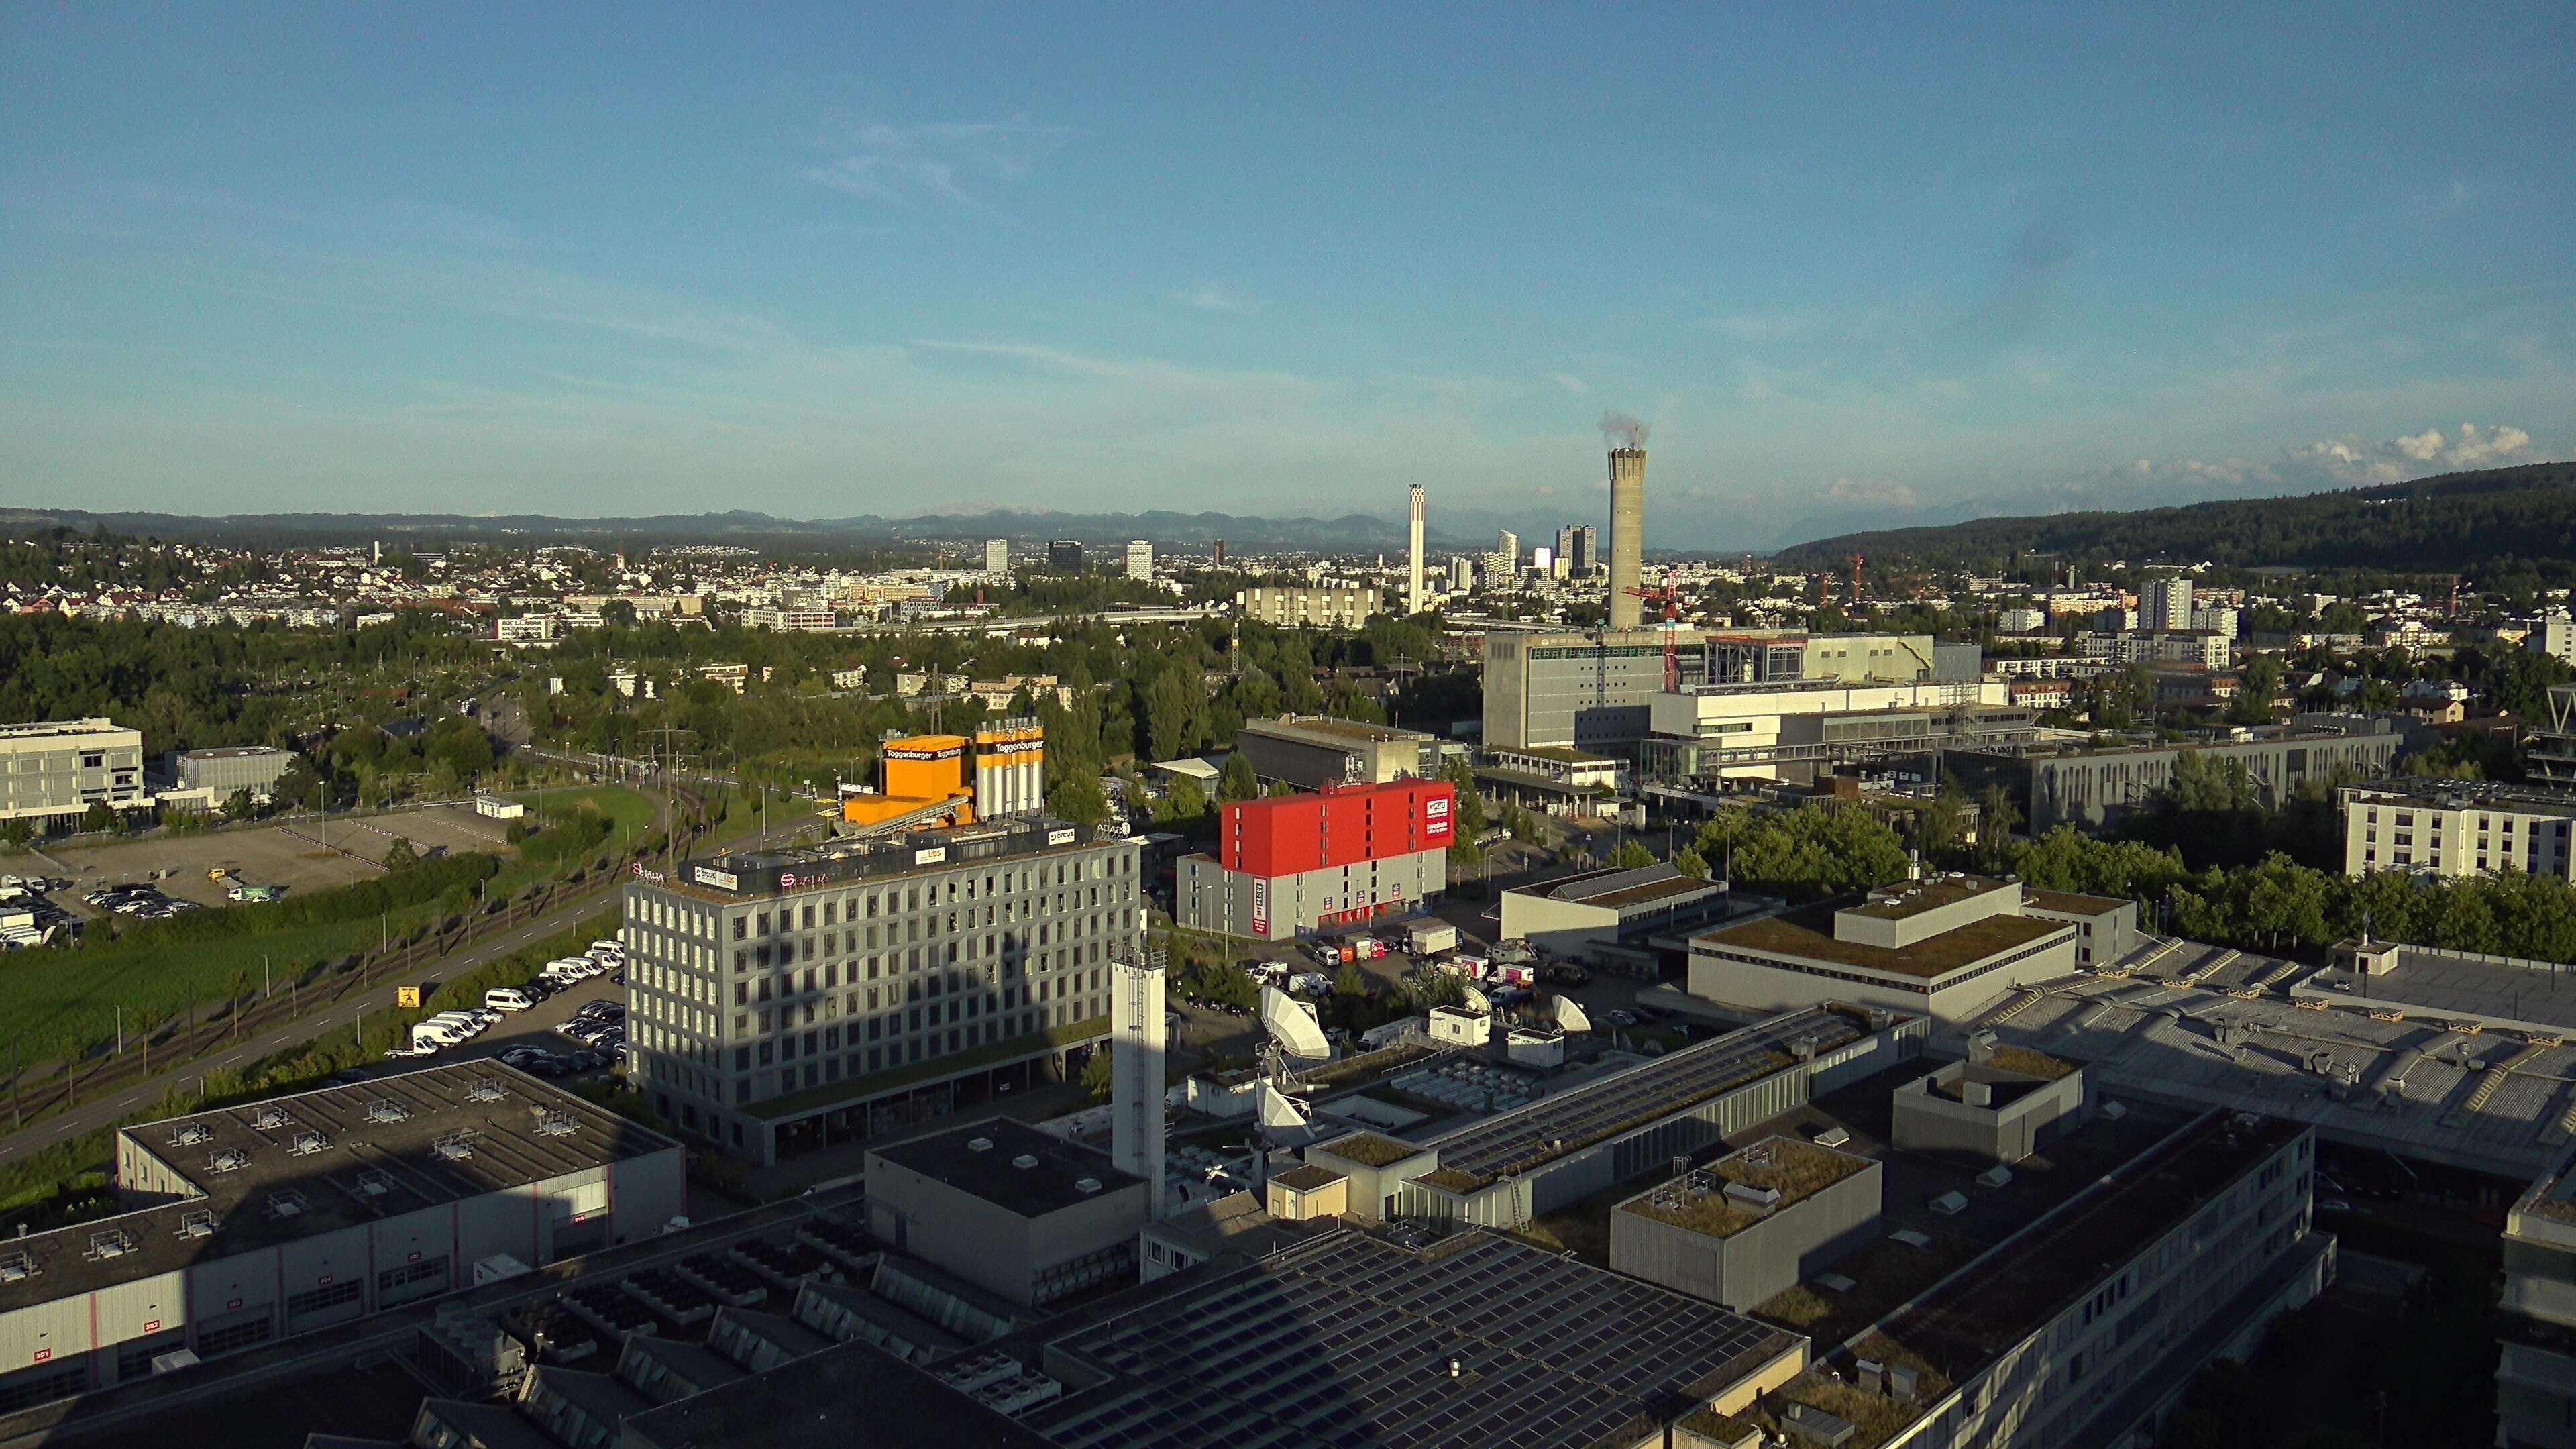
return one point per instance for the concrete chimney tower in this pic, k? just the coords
(1416, 598)
(1136, 1052)
(1627, 533)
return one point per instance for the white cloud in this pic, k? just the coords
(1569, 382)
(1217, 297)
(2491, 446)
(2423, 447)
(2410, 455)
(892, 163)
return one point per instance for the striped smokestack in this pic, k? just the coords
(1415, 598)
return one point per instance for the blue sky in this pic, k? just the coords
(1894, 263)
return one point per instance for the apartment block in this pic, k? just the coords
(2456, 828)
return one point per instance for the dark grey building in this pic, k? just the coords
(2088, 787)
(1313, 751)
(256, 768)
(1064, 555)
(789, 999)
(1019, 1212)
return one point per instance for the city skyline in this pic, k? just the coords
(1859, 271)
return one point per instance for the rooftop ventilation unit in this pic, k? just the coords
(19, 1267)
(1086, 1184)
(192, 1133)
(110, 1243)
(454, 1147)
(308, 1142)
(557, 1124)
(286, 1202)
(486, 1089)
(1024, 1162)
(230, 1159)
(386, 1109)
(197, 1223)
(269, 1119)
(373, 1183)
(979, 1144)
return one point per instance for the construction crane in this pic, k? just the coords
(1855, 581)
(1671, 598)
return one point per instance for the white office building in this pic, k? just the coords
(997, 555)
(1140, 560)
(52, 772)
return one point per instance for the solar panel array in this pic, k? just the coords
(1349, 1341)
(1522, 1139)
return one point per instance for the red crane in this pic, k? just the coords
(1671, 598)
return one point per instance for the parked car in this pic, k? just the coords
(508, 998)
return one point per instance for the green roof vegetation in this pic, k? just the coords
(1808, 934)
(1930, 896)
(1450, 1179)
(2031, 1062)
(1796, 1170)
(1370, 1150)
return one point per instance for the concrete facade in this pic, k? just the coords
(1942, 949)
(2088, 788)
(304, 1213)
(2458, 828)
(1208, 897)
(2536, 1373)
(1590, 691)
(256, 768)
(790, 993)
(1308, 606)
(1986, 1109)
(1019, 1212)
(53, 772)
(1709, 1233)
(1575, 915)
(1313, 751)
(2106, 929)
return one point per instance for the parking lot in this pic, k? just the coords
(291, 854)
(533, 1027)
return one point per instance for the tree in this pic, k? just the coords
(98, 817)
(1630, 855)
(1997, 817)
(1096, 1074)
(1690, 862)
(1184, 804)
(1077, 798)
(1237, 782)
(400, 855)
(1350, 980)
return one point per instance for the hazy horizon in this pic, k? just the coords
(1858, 269)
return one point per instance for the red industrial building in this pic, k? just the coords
(1294, 865)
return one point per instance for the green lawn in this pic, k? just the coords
(632, 809)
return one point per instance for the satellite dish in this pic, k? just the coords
(1475, 1001)
(1290, 1024)
(1280, 1112)
(1569, 1015)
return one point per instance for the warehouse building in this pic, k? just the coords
(1293, 865)
(1706, 735)
(51, 773)
(1024, 1214)
(1345, 1336)
(256, 768)
(1750, 1225)
(302, 1213)
(1312, 751)
(782, 1000)
(1607, 918)
(2086, 787)
(1940, 947)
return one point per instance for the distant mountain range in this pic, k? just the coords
(2454, 523)
(1170, 531)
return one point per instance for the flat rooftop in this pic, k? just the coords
(1909, 901)
(1529, 1136)
(62, 729)
(2069, 903)
(735, 875)
(1562, 754)
(1347, 1339)
(1964, 1323)
(230, 752)
(1698, 1200)
(2460, 794)
(2448, 985)
(293, 1167)
(849, 1393)
(1808, 933)
(1338, 731)
(1012, 1165)
(1616, 886)
(2414, 1093)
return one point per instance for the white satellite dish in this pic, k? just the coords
(1293, 1026)
(1475, 1001)
(1569, 1015)
(1280, 1112)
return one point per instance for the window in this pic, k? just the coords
(316, 1300)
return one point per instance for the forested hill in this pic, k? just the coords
(2455, 523)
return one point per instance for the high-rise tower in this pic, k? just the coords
(1136, 1073)
(1627, 529)
(1416, 598)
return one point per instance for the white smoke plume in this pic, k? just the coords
(1622, 430)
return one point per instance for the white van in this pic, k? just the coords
(508, 998)
(432, 1035)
